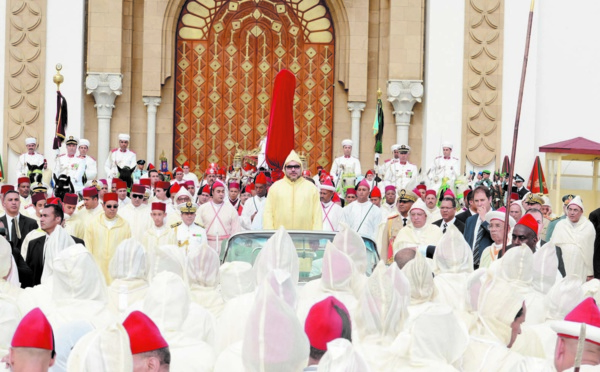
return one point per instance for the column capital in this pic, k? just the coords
(355, 108)
(403, 94)
(152, 103)
(105, 87)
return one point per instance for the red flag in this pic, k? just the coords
(537, 183)
(280, 136)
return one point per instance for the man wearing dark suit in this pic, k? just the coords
(471, 210)
(51, 216)
(477, 232)
(17, 227)
(595, 220)
(448, 211)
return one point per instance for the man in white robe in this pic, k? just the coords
(332, 212)
(362, 216)
(388, 204)
(31, 157)
(400, 172)
(218, 217)
(419, 234)
(575, 235)
(159, 234)
(120, 157)
(252, 214)
(91, 166)
(431, 202)
(137, 213)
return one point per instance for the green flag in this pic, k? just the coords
(378, 127)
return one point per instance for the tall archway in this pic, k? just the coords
(227, 56)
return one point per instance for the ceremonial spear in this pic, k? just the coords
(517, 119)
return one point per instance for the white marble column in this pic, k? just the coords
(105, 88)
(356, 108)
(152, 103)
(403, 94)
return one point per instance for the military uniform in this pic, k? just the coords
(392, 225)
(72, 166)
(188, 234)
(400, 175)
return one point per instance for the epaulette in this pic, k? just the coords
(61, 155)
(81, 206)
(132, 151)
(176, 224)
(555, 218)
(387, 161)
(27, 206)
(113, 150)
(196, 223)
(394, 215)
(437, 157)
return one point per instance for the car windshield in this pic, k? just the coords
(310, 247)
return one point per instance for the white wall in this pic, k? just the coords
(443, 78)
(64, 45)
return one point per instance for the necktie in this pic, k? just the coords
(13, 231)
(445, 226)
(476, 251)
(404, 224)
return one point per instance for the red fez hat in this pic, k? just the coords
(376, 193)
(186, 164)
(145, 182)
(158, 206)
(261, 178)
(23, 180)
(70, 199)
(306, 173)
(351, 191)
(390, 188)
(205, 189)
(336, 198)
(323, 323)
(269, 180)
(37, 196)
(514, 196)
(449, 193)
(234, 185)
(363, 183)
(586, 312)
(189, 183)
(121, 184)
(529, 221)
(104, 181)
(144, 335)
(114, 181)
(431, 192)
(178, 169)
(111, 196)
(162, 185)
(138, 189)
(34, 331)
(175, 188)
(217, 183)
(89, 192)
(327, 184)
(417, 191)
(421, 187)
(370, 172)
(211, 171)
(249, 188)
(6, 188)
(221, 171)
(466, 192)
(151, 166)
(53, 200)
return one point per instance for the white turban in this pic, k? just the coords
(123, 137)
(578, 202)
(30, 141)
(84, 142)
(447, 144)
(347, 142)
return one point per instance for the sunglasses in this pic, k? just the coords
(292, 167)
(112, 206)
(137, 196)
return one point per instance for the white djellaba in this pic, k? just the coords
(168, 304)
(128, 269)
(10, 316)
(351, 243)
(341, 356)
(202, 270)
(274, 339)
(102, 350)
(278, 253)
(8, 268)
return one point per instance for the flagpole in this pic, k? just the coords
(517, 120)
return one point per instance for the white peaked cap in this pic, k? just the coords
(447, 144)
(129, 261)
(347, 142)
(351, 243)
(578, 202)
(84, 142)
(123, 137)
(278, 252)
(102, 350)
(342, 357)
(274, 339)
(30, 141)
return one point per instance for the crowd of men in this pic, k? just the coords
(124, 273)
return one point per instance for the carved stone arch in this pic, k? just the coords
(337, 10)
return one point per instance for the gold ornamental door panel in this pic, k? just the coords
(228, 54)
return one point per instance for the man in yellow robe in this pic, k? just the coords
(90, 208)
(104, 233)
(419, 234)
(293, 202)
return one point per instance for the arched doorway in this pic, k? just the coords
(227, 56)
